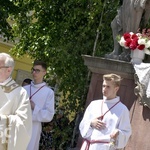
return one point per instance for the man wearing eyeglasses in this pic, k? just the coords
(41, 100)
(15, 110)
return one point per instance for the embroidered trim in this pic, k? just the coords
(8, 89)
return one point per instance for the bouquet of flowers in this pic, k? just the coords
(135, 41)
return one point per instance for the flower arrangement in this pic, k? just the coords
(133, 41)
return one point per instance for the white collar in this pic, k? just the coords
(114, 100)
(6, 81)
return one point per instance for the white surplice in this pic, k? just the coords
(16, 117)
(116, 118)
(43, 111)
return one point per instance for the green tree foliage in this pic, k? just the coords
(60, 32)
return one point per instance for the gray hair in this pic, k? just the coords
(8, 60)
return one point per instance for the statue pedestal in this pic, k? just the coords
(104, 65)
(99, 66)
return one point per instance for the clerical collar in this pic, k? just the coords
(7, 81)
(111, 100)
(38, 85)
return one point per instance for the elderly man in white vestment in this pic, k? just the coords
(106, 123)
(15, 110)
(42, 102)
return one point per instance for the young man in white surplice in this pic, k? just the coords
(106, 123)
(41, 100)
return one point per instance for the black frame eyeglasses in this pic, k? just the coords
(35, 70)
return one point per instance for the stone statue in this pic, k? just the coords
(140, 92)
(129, 18)
(142, 81)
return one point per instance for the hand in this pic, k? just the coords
(98, 124)
(32, 104)
(114, 134)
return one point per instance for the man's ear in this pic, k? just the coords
(117, 88)
(10, 69)
(45, 73)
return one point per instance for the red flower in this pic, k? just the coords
(131, 40)
(128, 42)
(135, 41)
(141, 47)
(134, 37)
(126, 36)
(133, 44)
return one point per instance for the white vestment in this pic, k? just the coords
(116, 118)
(16, 117)
(43, 111)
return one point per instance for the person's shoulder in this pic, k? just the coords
(94, 102)
(26, 87)
(120, 104)
(123, 106)
(18, 87)
(49, 88)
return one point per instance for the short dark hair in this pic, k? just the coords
(27, 80)
(41, 63)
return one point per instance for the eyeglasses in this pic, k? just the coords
(35, 70)
(4, 67)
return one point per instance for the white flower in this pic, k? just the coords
(147, 44)
(139, 35)
(135, 41)
(147, 51)
(142, 41)
(122, 42)
(131, 33)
